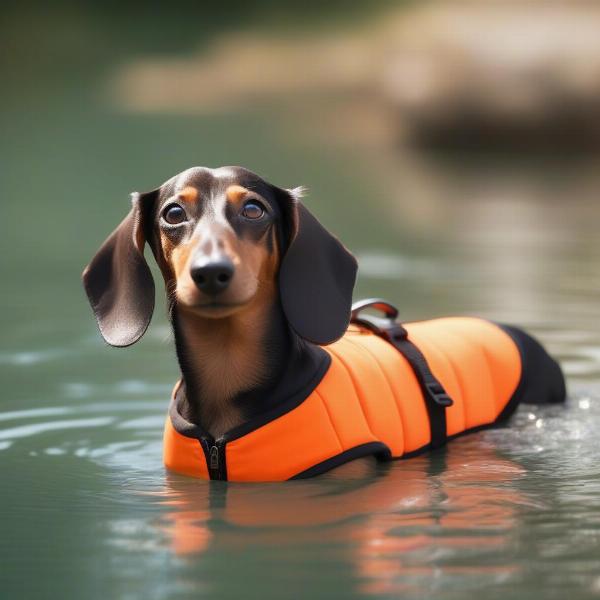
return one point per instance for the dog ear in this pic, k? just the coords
(118, 281)
(316, 278)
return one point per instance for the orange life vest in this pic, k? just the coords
(369, 402)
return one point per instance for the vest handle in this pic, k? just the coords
(386, 327)
(389, 310)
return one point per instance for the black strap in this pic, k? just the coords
(436, 398)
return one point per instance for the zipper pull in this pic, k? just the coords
(214, 458)
(214, 461)
(214, 451)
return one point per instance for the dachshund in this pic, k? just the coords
(256, 286)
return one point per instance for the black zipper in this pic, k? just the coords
(214, 451)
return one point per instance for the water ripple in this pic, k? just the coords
(34, 412)
(33, 429)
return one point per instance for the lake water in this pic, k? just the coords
(87, 509)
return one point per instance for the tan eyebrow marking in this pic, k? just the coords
(188, 194)
(235, 193)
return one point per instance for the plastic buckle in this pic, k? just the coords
(438, 393)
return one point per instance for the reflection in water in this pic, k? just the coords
(393, 531)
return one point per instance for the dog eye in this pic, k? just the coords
(174, 214)
(253, 210)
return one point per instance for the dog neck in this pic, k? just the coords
(238, 367)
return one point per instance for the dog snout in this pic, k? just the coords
(212, 276)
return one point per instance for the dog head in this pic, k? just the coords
(224, 240)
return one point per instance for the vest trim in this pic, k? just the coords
(377, 449)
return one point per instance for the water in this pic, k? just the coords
(86, 508)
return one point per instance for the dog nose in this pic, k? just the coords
(213, 277)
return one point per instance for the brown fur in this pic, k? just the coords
(235, 193)
(188, 194)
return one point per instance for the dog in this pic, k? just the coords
(256, 289)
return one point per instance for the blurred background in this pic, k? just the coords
(454, 146)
